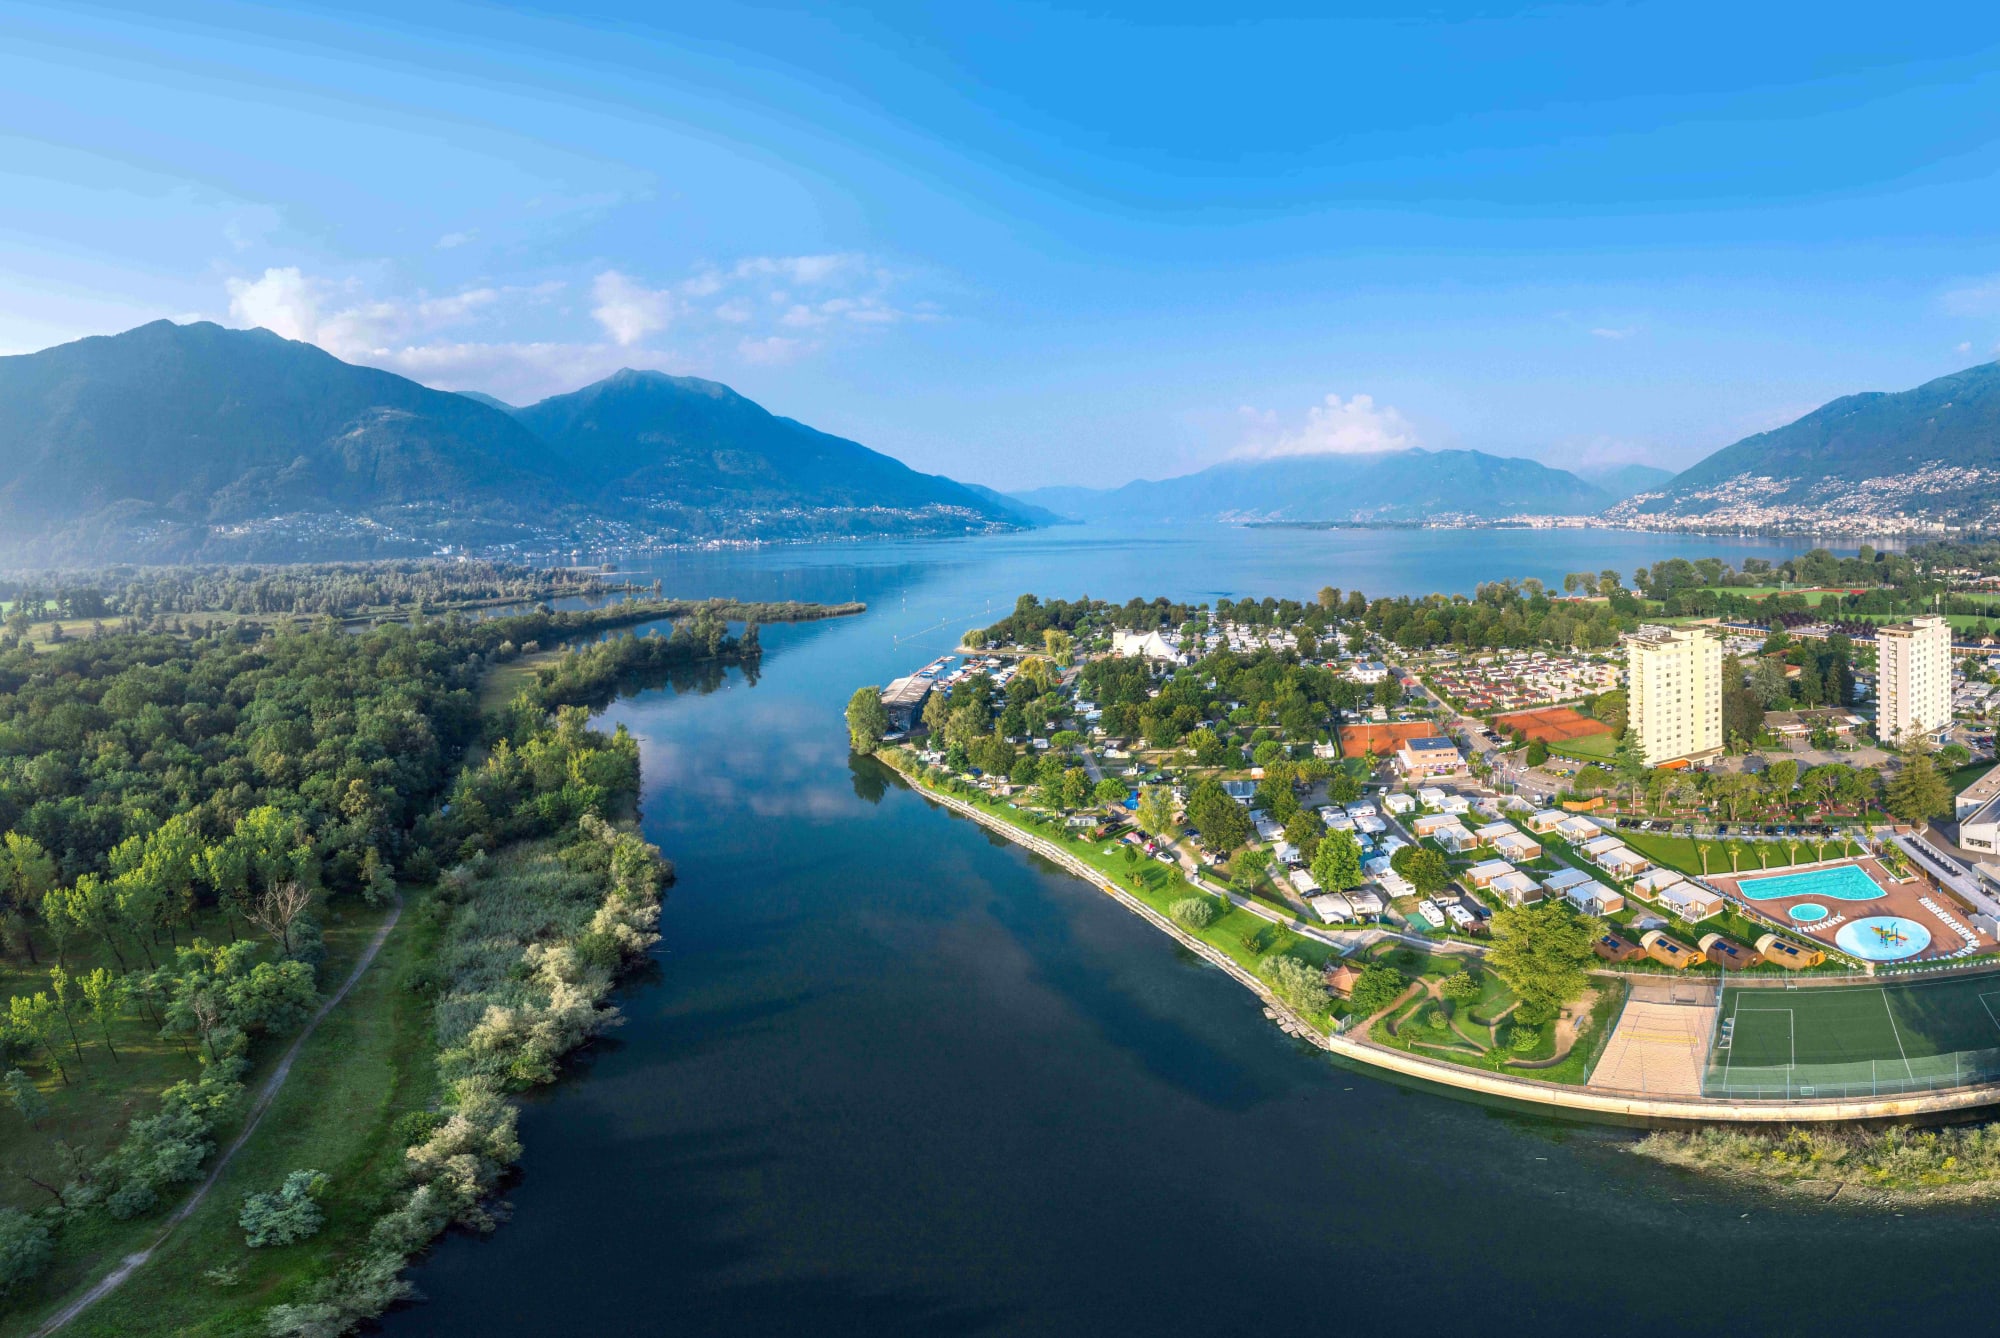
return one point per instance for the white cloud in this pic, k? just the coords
(1607, 332)
(1965, 347)
(629, 311)
(451, 241)
(1973, 297)
(769, 349)
(509, 340)
(283, 301)
(1355, 426)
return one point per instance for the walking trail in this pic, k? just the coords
(266, 1094)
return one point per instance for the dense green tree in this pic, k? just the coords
(1917, 793)
(1337, 866)
(1222, 822)
(867, 721)
(1543, 952)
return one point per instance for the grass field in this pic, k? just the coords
(1679, 852)
(1588, 748)
(1857, 1039)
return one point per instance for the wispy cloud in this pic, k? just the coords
(759, 310)
(1608, 332)
(451, 241)
(1972, 297)
(1355, 426)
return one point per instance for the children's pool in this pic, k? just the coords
(1841, 882)
(1882, 938)
(1807, 912)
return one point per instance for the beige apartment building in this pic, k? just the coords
(1912, 679)
(1673, 688)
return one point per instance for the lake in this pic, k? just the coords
(892, 1076)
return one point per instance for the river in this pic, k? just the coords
(892, 1076)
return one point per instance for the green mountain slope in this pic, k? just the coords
(176, 441)
(647, 438)
(209, 424)
(1931, 451)
(1398, 486)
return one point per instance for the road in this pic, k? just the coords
(266, 1094)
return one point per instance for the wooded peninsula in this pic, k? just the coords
(303, 871)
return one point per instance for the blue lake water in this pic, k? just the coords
(892, 1076)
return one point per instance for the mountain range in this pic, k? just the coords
(1406, 485)
(179, 441)
(1931, 454)
(174, 442)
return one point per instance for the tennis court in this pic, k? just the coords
(1855, 1040)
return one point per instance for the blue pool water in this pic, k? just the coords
(1842, 882)
(1807, 912)
(1882, 938)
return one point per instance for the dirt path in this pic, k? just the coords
(266, 1094)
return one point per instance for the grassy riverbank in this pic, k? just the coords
(1893, 1165)
(1248, 939)
(368, 1066)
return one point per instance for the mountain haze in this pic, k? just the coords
(174, 441)
(1407, 485)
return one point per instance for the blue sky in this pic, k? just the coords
(1031, 244)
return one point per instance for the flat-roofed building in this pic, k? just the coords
(1673, 688)
(1912, 679)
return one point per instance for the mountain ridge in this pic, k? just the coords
(1406, 485)
(171, 441)
(1878, 458)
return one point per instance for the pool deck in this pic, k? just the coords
(1905, 899)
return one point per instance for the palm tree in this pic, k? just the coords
(1791, 852)
(1703, 850)
(1735, 854)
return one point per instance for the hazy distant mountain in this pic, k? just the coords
(1393, 486)
(1932, 452)
(1622, 481)
(173, 441)
(1028, 512)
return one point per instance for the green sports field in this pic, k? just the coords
(1857, 1040)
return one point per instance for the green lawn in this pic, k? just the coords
(367, 1064)
(1963, 776)
(1684, 854)
(1588, 748)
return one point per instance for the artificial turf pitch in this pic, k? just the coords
(1847, 1040)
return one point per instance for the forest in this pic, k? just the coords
(199, 831)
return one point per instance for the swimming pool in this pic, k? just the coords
(1841, 882)
(1882, 938)
(1807, 912)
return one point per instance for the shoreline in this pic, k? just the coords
(1595, 1105)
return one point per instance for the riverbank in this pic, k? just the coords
(1578, 1102)
(1890, 1168)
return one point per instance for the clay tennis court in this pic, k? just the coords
(1551, 724)
(1382, 740)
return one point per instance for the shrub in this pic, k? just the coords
(25, 1248)
(1524, 1038)
(1376, 989)
(1193, 912)
(1297, 983)
(285, 1216)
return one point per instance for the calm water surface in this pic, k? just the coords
(891, 1076)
